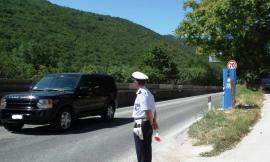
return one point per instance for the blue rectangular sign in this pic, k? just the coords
(229, 88)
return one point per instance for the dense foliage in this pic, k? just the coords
(230, 29)
(199, 72)
(37, 37)
(160, 67)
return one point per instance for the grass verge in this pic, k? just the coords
(224, 129)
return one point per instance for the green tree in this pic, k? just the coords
(160, 66)
(198, 71)
(231, 29)
(90, 69)
(13, 67)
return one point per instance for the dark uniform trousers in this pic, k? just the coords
(143, 147)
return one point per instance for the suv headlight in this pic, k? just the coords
(45, 103)
(3, 103)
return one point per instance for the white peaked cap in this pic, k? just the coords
(139, 76)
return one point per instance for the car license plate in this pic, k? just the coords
(19, 117)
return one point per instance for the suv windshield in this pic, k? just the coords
(57, 83)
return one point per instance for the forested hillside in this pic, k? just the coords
(38, 37)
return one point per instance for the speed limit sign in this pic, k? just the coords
(232, 64)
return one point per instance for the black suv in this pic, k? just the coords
(59, 99)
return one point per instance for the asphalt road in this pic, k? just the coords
(93, 140)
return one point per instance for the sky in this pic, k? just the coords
(161, 16)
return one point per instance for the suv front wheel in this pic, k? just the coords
(63, 121)
(109, 113)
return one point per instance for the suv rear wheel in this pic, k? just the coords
(63, 121)
(13, 127)
(109, 113)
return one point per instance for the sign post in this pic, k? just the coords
(229, 84)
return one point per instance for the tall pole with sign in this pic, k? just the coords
(229, 84)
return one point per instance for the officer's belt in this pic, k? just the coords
(143, 119)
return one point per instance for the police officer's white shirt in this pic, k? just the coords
(144, 101)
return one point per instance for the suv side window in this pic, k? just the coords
(84, 86)
(84, 82)
(96, 85)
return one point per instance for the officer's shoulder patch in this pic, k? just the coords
(144, 92)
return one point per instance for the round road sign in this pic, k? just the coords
(232, 64)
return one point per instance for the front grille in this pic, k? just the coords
(21, 104)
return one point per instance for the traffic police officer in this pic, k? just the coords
(144, 114)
